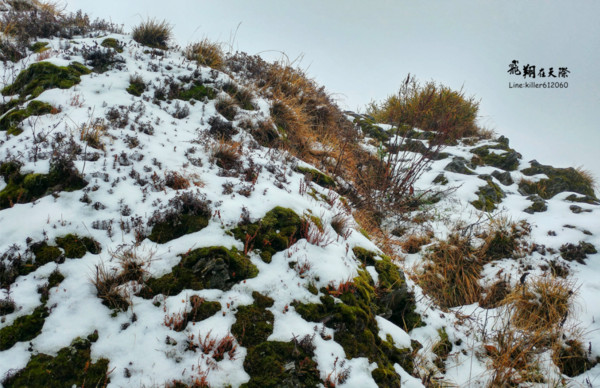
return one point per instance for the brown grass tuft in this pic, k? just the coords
(206, 53)
(153, 33)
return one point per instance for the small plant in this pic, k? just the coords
(227, 107)
(206, 53)
(226, 156)
(153, 33)
(137, 86)
(414, 243)
(342, 225)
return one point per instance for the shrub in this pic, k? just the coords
(206, 53)
(153, 33)
(137, 86)
(430, 107)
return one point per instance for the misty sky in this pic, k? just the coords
(362, 50)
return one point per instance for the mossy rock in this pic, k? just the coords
(489, 196)
(39, 47)
(280, 364)
(365, 256)
(72, 366)
(196, 91)
(186, 214)
(459, 165)
(356, 330)
(507, 161)
(76, 247)
(503, 177)
(275, 232)
(440, 179)
(113, 44)
(23, 328)
(584, 199)
(370, 129)
(42, 76)
(203, 268)
(26, 188)
(317, 176)
(202, 309)
(538, 204)
(254, 323)
(559, 180)
(45, 253)
(578, 253)
(10, 122)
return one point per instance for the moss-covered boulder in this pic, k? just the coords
(254, 323)
(558, 181)
(353, 319)
(10, 122)
(203, 268)
(281, 364)
(71, 367)
(24, 328)
(275, 232)
(508, 160)
(42, 76)
(460, 165)
(317, 176)
(489, 196)
(27, 188)
(76, 247)
(186, 214)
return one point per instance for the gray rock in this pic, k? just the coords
(459, 165)
(503, 177)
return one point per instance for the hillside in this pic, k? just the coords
(182, 217)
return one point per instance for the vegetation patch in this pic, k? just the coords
(39, 47)
(203, 268)
(45, 253)
(317, 176)
(442, 349)
(281, 364)
(152, 33)
(507, 161)
(206, 53)
(72, 366)
(42, 76)
(572, 359)
(559, 180)
(23, 328)
(27, 188)
(202, 309)
(10, 122)
(76, 247)
(578, 253)
(137, 86)
(275, 232)
(369, 128)
(254, 323)
(489, 196)
(353, 319)
(113, 44)
(185, 214)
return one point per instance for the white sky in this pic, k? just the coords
(362, 50)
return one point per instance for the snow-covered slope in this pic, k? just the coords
(147, 239)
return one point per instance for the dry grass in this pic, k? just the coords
(206, 53)
(226, 156)
(414, 243)
(92, 133)
(227, 107)
(542, 303)
(587, 176)
(153, 33)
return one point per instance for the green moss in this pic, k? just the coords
(211, 267)
(177, 226)
(443, 346)
(489, 196)
(202, 309)
(136, 86)
(253, 323)
(26, 188)
(72, 366)
(370, 129)
(441, 179)
(559, 180)
(112, 43)
(317, 176)
(355, 326)
(197, 92)
(23, 328)
(42, 76)
(45, 253)
(280, 364)
(10, 122)
(39, 47)
(275, 232)
(55, 279)
(76, 247)
(508, 161)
